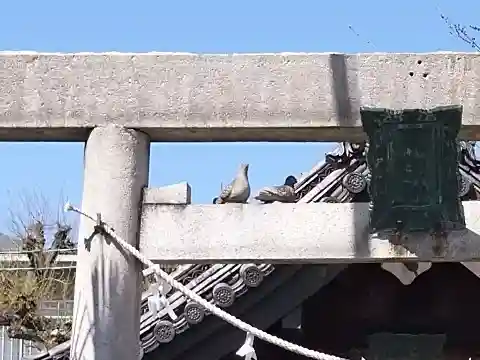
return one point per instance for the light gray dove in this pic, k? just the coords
(238, 191)
(284, 193)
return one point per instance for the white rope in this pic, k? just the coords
(247, 328)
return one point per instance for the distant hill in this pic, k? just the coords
(9, 243)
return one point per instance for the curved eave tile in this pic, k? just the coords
(326, 182)
(202, 279)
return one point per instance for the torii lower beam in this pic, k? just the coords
(262, 97)
(292, 233)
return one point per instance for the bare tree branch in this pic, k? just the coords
(22, 292)
(462, 32)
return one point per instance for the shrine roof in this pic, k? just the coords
(244, 290)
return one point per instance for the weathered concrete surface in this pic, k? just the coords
(286, 233)
(190, 97)
(106, 323)
(176, 194)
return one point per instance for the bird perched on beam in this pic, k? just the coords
(284, 193)
(238, 191)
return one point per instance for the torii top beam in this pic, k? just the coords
(190, 97)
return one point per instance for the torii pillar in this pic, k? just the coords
(108, 284)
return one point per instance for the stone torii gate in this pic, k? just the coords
(118, 103)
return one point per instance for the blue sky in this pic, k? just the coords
(207, 26)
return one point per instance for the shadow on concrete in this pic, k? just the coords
(345, 100)
(343, 82)
(95, 314)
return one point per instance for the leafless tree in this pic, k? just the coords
(32, 276)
